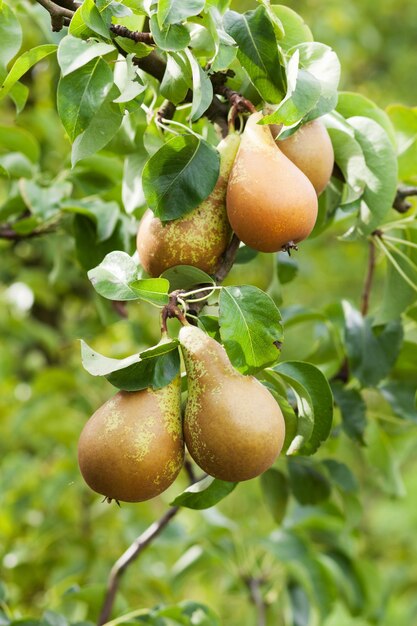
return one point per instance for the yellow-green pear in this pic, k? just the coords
(233, 427)
(311, 150)
(200, 237)
(132, 448)
(270, 202)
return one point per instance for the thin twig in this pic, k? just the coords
(366, 292)
(130, 555)
(254, 587)
(59, 14)
(7, 232)
(400, 203)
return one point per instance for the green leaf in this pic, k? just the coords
(104, 214)
(402, 398)
(44, 202)
(381, 175)
(186, 277)
(300, 605)
(155, 367)
(10, 35)
(179, 176)
(353, 410)
(153, 290)
(204, 494)
(404, 120)
(322, 63)
(371, 350)
(92, 18)
(311, 385)
(101, 129)
(308, 484)
(250, 328)
(381, 456)
(349, 157)
(113, 277)
(174, 37)
(296, 30)
(15, 139)
(350, 104)
(174, 11)
(22, 64)
(303, 92)
(341, 476)
(287, 268)
(202, 88)
(275, 491)
(81, 95)
(257, 52)
(177, 79)
(73, 53)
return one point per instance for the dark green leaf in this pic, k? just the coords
(371, 350)
(177, 78)
(204, 494)
(81, 95)
(402, 398)
(104, 214)
(172, 38)
(202, 88)
(250, 327)
(245, 254)
(381, 175)
(73, 53)
(179, 176)
(186, 277)
(275, 490)
(23, 64)
(287, 268)
(155, 367)
(341, 476)
(308, 484)
(257, 52)
(174, 11)
(101, 129)
(300, 605)
(92, 18)
(353, 410)
(317, 393)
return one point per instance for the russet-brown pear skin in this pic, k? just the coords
(233, 427)
(311, 150)
(270, 202)
(132, 448)
(198, 238)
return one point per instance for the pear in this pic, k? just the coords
(271, 204)
(132, 448)
(311, 150)
(198, 238)
(233, 427)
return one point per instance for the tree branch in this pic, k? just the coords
(254, 588)
(366, 292)
(138, 37)
(400, 203)
(58, 13)
(134, 550)
(7, 232)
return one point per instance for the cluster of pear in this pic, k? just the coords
(132, 448)
(266, 193)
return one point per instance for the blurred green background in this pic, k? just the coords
(57, 539)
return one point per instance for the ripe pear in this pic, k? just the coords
(270, 202)
(233, 427)
(132, 448)
(198, 238)
(311, 150)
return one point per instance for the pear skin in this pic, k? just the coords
(311, 150)
(270, 202)
(233, 427)
(132, 448)
(198, 238)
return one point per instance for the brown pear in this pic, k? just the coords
(311, 150)
(132, 448)
(200, 237)
(233, 427)
(271, 204)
